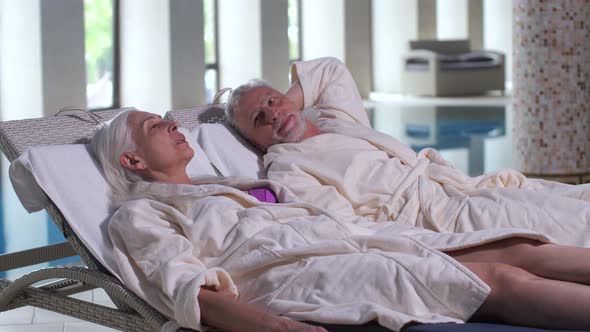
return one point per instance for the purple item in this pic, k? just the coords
(263, 195)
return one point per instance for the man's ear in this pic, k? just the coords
(132, 161)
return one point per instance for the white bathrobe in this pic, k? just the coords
(292, 258)
(353, 170)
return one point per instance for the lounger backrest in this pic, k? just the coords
(442, 46)
(190, 118)
(18, 135)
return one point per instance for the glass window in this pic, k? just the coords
(294, 31)
(99, 25)
(210, 31)
(210, 44)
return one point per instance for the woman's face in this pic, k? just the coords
(160, 148)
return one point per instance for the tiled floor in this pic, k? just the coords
(29, 319)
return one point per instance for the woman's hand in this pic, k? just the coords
(295, 326)
(230, 315)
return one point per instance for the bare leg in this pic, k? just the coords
(521, 298)
(551, 261)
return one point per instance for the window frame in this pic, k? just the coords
(215, 65)
(299, 34)
(116, 62)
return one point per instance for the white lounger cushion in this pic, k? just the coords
(228, 151)
(70, 176)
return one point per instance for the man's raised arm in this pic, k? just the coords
(327, 84)
(295, 93)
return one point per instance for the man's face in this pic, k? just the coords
(160, 147)
(266, 117)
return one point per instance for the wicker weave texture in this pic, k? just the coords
(191, 118)
(17, 135)
(34, 256)
(148, 319)
(79, 309)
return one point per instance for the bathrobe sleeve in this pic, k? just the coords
(157, 261)
(328, 85)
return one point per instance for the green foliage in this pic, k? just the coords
(98, 23)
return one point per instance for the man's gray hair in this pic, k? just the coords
(232, 105)
(110, 141)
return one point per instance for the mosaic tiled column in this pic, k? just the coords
(551, 80)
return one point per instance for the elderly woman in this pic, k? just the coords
(205, 251)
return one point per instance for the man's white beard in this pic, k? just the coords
(295, 135)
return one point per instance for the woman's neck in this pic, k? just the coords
(177, 177)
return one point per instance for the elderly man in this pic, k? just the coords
(344, 166)
(204, 250)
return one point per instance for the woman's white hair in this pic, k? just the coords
(110, 141)
(233, 102)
